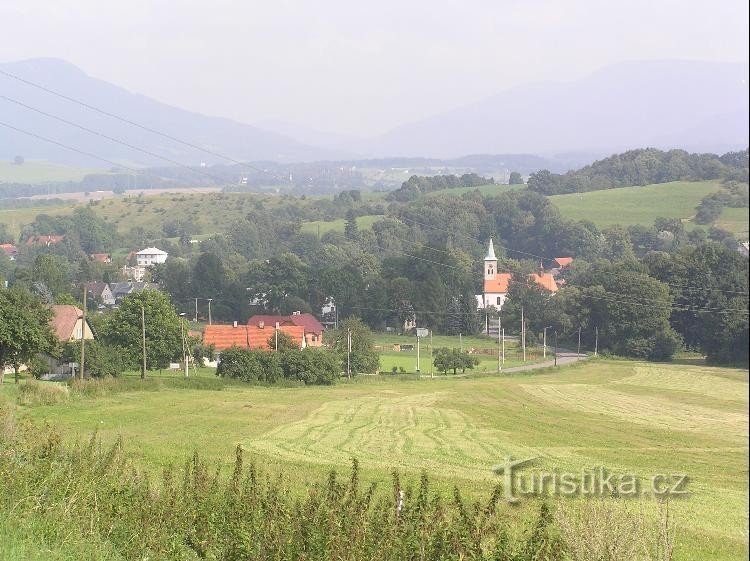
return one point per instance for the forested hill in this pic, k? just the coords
(642, 167)
(417, 185)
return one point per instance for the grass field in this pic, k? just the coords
(734, 220)
(631, 417)
(642, 205)
(41, 172)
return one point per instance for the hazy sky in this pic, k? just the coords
(358, 67)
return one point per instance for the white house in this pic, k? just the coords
(150, 256)
(495, 284)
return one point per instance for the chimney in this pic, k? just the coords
(261, 324)
(234, 324)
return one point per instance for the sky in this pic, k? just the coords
(354, 67)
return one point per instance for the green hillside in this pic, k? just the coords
(642, 205)
(486, 190)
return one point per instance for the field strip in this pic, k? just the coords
(649, 410)
(699, 381)
(392, 431)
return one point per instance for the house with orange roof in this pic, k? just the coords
(10, 250)
(545, 280)
(313, 328)
(101, 257)
(46, 241)
(256, 336)
(563, 262)
(67, 324)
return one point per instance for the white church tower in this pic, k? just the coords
(495, 284)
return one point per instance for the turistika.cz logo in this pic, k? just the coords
(588, 482)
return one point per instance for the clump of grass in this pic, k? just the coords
(42, 393)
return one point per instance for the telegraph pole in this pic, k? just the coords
(579, 340)
(196, 311)
(499, 350)
(432, 375)
(555, 347)
(276, 337)
(523, 335)
(460, 342)
(349, 353)
(184, 343)
(143, 338)
(596, 341)
(209, 311)
(83, 331)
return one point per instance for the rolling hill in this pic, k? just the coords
(223, 136)
(699, 106)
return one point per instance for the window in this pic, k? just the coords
(499, 300)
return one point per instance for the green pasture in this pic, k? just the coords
(630, 417)
(41, 172)
(643, 205)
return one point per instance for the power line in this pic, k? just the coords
(134, 123)
(66, 146)
(110, 138)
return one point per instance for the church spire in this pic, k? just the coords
(490, 252)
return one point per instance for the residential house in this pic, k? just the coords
(313, 328)
(10, 250)
(121, 289)
(101, 257)
(101, 293)
(150, 256)
(67, 325)
(256, 336)
(137, 274)
(45, 241)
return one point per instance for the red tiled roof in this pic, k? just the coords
(269, 320)
(9, 249)
(247, 336)
(101, 257)
(545, 280)
(563, 261)
(64, 320)
(44, 240)
(499, 284)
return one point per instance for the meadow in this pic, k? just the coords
(643, 205)
(630, 417)
(324, 226)
(42, 172)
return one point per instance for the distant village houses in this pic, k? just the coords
(10, 250)
(150, 256)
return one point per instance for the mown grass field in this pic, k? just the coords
(631, 417)
(643, 205)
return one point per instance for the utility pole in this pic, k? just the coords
(143, 338)
(417, 354)
(460, 343)
(555, 347)
(432, 375)
(596, 341)
(83, 331)
(276, 337)
(579, 340)
(209, 311)
(184, 343)
(544, 343)
(196, 311)
(349, 353)
(503, 330)
(499, 350)
(523, 335)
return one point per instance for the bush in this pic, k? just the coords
(101, 360)
(249, 365)
(311, 366)
(38, 367)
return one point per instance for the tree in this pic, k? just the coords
(311, 366)
(208, 276)
(515, 178)
(351, 229)
(249, 365)
(163, 335)
(282, 342)
(363, 358)
(452, 359)
(101, 359)
(24, 328)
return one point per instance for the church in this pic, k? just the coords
(497, 284)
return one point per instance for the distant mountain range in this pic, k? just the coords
(222, 136)
(699, 106)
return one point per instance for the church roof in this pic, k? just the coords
(498, 285)
(545, 280)
(490, 252)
